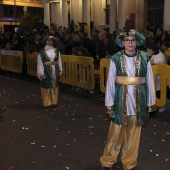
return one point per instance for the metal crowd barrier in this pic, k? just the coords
(163, 70)
(79, 71)
(11, 60)
(31, 60)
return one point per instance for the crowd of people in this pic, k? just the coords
(70, 41)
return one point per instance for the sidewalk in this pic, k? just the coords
(69, 137)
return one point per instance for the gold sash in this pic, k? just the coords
(50, 63)
(130, 80)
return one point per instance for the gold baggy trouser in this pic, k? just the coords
(49, 96)
(125, 139)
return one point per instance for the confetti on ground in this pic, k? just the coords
(26, 128)
(42, 146)
(33, 142)
(11, 144)
(54, 146)
(67, 167)
(150, 150)
(163, 140)
(157, 154)
(33, 162)
(167, 159)
(11, 167)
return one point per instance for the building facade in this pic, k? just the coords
(108, 14)
(11, 12)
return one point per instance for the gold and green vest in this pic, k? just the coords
(120, 111)
(48, 82)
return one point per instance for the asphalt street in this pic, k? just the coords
(69, 137)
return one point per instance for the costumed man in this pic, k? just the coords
(49, 68)
(130, 96)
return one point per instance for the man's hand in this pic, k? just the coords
(110, 111)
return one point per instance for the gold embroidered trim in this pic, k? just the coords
(124, 109)
(110, 110)
(42, 77)
(138, 61)
(151, 108)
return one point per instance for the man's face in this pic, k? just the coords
(49, 42)
(158, 32)
(149, 51)
(129, 43)
(163, 47)
(101, 36)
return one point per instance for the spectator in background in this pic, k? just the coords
(8, 46)
(38, 42)
(165, 47)
(165, 36)
(94, 41)
(79, 50)
(58, 44)
(86, 41)
(72, 26)
(109, 46)
(128, 23)
(46, 32)
(34, 43)
(158, 36)
(67, 44)
(156, 57)
(104, 47)
(100, 49)
(91, 27)
(52, 29)
(3, 41)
